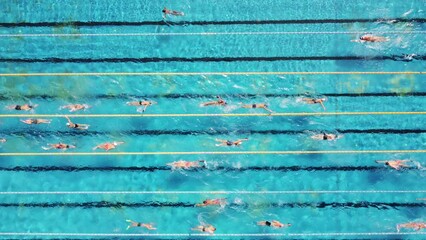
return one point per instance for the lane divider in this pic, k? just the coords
(242, 192)
(64, 74)
(288, 114)
(33, 154)
(200, 33)
(60, 234)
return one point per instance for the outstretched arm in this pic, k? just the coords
(381, 161)
(69, 120)
(322, 104)
(26, 121)
(267, 109)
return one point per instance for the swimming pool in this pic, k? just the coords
(276, 52)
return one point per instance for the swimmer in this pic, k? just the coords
(325, 136)
(75, 107)
(36, 121)
(171, 12)
(3, 140)
(315, 101)
(208, 202)
(395, 164)
(273, 223)
(219, 102)
(148, 226)
(25, 107)
(144, 103)
(206, 228)
(230, 143)
(108, 146)
(62, 146)
(371, 38)
(181, 164)
(257, 105)
(75, 125)
(414, 225)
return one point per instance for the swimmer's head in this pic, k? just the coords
(387, 163)
(205, 201)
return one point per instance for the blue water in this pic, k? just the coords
(308, 213)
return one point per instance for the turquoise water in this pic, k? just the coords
(174, 213)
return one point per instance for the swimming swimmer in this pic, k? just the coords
(206, 228)
(108, 146)
(219, 102)
(62, 146)
(25, 107)
(273, 223)
(414, 225)
(208, 202)
(257, 105)
(78, 126)
(171, 12)
(395, 164)
(325, 136)
(371, 38)
(230, 143)
(181, 164)
(144, 103)
(315, 101)
(148, 226)
(36, 121)
(75, 107)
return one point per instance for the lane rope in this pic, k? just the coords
(288, 114)
(243, 192)
(200, 33)
(33, 154)
(63, 74)
(60, 234)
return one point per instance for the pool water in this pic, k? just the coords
(309, 39)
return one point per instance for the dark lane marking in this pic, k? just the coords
(212, 59)
(201, 23)
(166, 168)
(106, 204)
(6, 96)
(191, 238)
(37, 133)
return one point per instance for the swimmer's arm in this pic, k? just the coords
(358, 41)
(380, 161)
(267, 109)
(83, 126)
(69, 120)
(322, 104)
